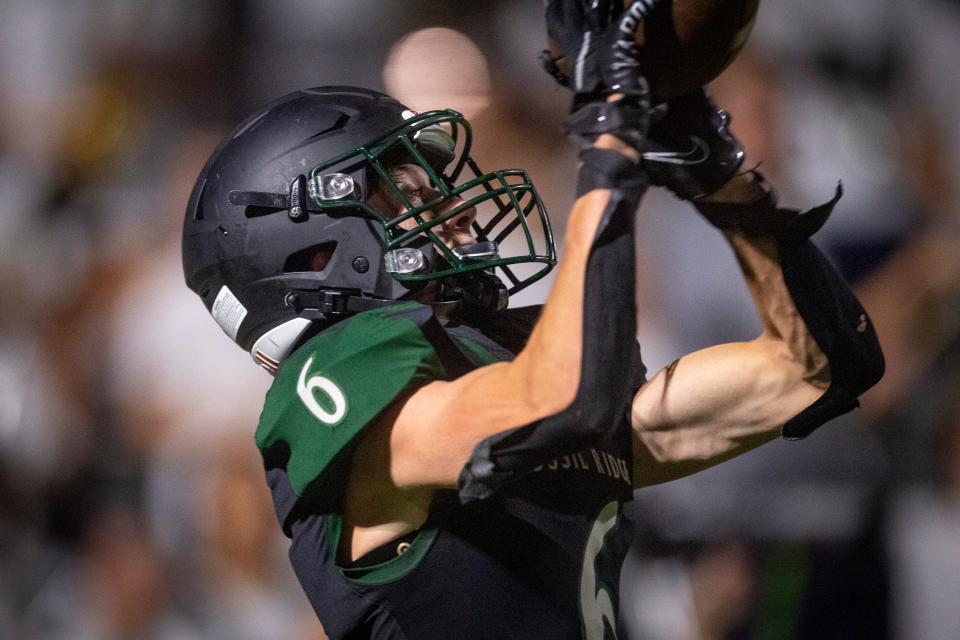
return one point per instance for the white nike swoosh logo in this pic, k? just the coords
(698, 153)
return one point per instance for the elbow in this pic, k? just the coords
(796, 358)
(783, 384)
(855, 363)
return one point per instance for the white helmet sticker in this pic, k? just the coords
(228, 312)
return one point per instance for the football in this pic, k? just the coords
(687, 43)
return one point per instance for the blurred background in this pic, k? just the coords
(131, 496)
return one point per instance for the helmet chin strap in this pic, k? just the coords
(476, 292)
(270, 349)
(472, 292)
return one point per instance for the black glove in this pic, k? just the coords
(689, 148)
(607, 63)
(575, 27)
(626, 118)
(595, 42)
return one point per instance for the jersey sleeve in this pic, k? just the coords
(330, 389)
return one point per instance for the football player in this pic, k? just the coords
(445, 466)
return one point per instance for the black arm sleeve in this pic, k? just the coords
(829, 308)
(605, 391)
(836, 320)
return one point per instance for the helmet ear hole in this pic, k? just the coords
(313, 258)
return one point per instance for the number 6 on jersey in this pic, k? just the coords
(596, 605)
(334, 396)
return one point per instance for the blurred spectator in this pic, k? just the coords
(245, 589)
(117, 587)
(710, 597)
(924, 525)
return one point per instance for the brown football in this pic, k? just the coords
(687, 43)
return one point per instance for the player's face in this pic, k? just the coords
(414, 183)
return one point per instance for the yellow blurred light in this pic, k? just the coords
(102, 118)
(438, 68)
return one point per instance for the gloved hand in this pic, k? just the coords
(574, 28)
(689, 148)
(595, 43)
(611, 96)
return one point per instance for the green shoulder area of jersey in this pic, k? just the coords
(332, 387)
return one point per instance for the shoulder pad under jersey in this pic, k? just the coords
(333, 386)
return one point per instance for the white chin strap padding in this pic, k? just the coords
(275, 345)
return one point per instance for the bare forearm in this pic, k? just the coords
(555, 379)
(549, 366)
(540, 381)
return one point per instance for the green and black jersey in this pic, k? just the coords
(537, 558)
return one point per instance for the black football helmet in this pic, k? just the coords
(291, 183)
